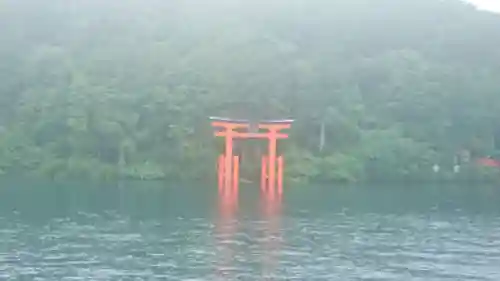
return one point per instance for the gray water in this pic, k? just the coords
(154, 231)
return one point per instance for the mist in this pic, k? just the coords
(380, 90)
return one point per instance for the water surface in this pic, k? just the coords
(153, 231)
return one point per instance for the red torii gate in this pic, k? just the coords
(272, 164)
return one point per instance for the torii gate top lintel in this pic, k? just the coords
(234, 127)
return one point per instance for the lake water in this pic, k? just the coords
(153, 231)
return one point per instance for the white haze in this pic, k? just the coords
(490, 5)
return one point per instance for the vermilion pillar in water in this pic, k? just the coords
(229, 157)
(220, 172)
(263, 174)
(272, 162)
(236, 176)
(280, 174)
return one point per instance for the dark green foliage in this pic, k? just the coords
(107, 89)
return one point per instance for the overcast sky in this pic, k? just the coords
(492, 5)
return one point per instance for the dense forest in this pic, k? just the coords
(379, 90)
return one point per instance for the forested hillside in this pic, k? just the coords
(101, 89)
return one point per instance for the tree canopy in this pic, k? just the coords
(107, 89)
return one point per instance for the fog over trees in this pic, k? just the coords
(107, 89)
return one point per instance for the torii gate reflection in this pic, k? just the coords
(271, 182)
(270, 209)
(226, 228)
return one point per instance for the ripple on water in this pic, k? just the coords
(340, 247)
